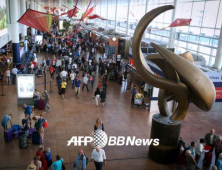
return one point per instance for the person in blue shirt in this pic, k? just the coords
(4, 122)
(77, 86)
(192, 148)
(48, 156)
(81, 161)
(57, 165)
(219, 162)
(133, 92)
(28, 110)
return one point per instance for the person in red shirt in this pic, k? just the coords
(42, 156)
(52, 70)
(99, 85)
(34, 63)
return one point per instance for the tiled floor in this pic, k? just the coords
(72, 117)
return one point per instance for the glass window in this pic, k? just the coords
(215, 43)
(197, 13)
(204, 40)
(207, 32)
(180, 50)
(182, 44)
(192, 46)
(214, 52)
(192, 38)
(219, 17)
(206, 57)
(204, 50)
(210, 14)
(212, 61)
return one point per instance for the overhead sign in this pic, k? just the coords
(25, 85)
(218, 92)
(215, 76)
(21, 44)
(26, 38)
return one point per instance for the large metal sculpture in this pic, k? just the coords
(183, 81)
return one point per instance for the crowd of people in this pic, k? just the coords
(209, 145)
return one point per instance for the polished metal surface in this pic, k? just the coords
(183, 79)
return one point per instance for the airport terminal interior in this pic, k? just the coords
(111, 84)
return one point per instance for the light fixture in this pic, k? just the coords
(114, 38)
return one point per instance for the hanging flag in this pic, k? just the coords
(72, 12)
(53, 9)
(87, 13)
(65, 13)
(55, 18)
(94, 16)
(35, 19)
(180, 22)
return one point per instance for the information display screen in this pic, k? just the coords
(25, 85)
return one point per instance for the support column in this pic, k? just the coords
(116, 16)
(218, 58)
(23, 27)
(13, 6)
(128, 15)
(173, 29)
(32, 6)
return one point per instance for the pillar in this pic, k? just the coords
(23, 27)
(218, 58)
(128, 16)
(173, 29)
(168, 133)
(14, 30)
(32, 6)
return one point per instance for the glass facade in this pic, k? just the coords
(201, 37)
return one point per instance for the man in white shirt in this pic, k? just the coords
(14, 72)
(32, 67)
(8, 76)
(199, 149)
(85, 81)
(72, 76)
(63, 74)
(70, 60)
(99, 158)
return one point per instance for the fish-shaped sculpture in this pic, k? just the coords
(183, 80)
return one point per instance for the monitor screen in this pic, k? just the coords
(2, 50)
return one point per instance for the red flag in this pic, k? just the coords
(72, 12)
(55, 18)
(35, 19)
(180, 22)
(53, 9)
(88, 12)
(94, 16)
(64, 13)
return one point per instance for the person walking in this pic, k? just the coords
(57, 165)
(8, 76)
(133, 92)
(48, 156)
(72, 77)
(63, 88)
(52, 71)
(218, 148)
(39, 125)
(46, 98)
(36, 97)
(99, 158)
(99, 125)
(85, 82)
(7, 118)
(103, 97)
(81, 161)
(97, 96)
(14, 73)
(77, 86)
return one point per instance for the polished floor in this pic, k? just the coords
(72, 117)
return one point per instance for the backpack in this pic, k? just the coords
(36, 125)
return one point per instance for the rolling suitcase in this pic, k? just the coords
(8, 135)
(23, 141)
(41, 104)
(17, 134)
(31, 130)
(16, 128)
(36, 139)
